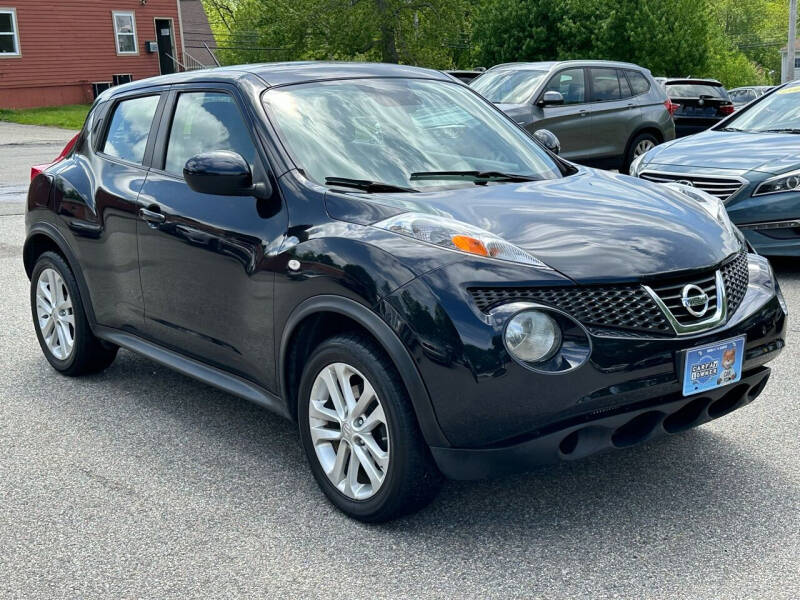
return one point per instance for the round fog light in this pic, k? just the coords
(532, 336)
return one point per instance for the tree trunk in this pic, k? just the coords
(387, 29)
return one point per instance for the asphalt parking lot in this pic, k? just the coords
(141, 483)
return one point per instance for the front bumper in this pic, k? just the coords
(613, 429)
(487, 405)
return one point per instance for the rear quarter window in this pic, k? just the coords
(639, 83)
(129, 129)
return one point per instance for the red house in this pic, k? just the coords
(61, 52)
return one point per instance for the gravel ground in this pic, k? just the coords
(141, 483)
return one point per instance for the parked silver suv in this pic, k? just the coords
(604, 113)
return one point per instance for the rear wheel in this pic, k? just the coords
(360, 433)
(638, 146)
(60, 320)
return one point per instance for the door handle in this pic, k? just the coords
(152, 217)
(582, 113)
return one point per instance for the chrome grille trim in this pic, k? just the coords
(719, 186)
(688, 326)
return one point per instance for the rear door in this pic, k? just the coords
(96, 194)
(571, 122)
(614, 113)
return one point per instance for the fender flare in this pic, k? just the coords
(388, 340)
(54, 235)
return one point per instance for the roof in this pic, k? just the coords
(274, 74)
(549, 64)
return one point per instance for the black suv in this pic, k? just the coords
(380, 254)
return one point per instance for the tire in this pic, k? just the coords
(410, 479)
(637, 144)
(86, 353)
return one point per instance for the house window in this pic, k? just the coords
(125, 32)
(9, 34)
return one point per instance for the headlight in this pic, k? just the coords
(711, 204)
(788, 182)
(455, 235)
(636, 166)
(532, 336)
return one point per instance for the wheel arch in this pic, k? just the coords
(43, 237)
(650, 128)
(351, 315)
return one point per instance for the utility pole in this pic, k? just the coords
(789, 76)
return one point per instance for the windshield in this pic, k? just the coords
(778, 111)
(508, 87)
(385, 130)
(695, 90)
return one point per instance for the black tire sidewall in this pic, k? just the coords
(375, 370)
(635, 142)
(54, 261)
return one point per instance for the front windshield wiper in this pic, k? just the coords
(366, 185)
(732, 129)
(479, 177)
(779, 130)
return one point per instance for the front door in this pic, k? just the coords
(571, 121)
(166, 47)
(205, 260)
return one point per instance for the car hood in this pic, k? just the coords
(593, 226)
(740, 151)
(519, 112)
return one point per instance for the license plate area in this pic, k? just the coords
(713, 365)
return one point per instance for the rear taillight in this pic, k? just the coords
(670, 106)
(727, 109)
(36, 169)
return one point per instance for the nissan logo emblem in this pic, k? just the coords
(694, 300)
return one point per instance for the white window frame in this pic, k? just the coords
(14, 33)
(132, 15)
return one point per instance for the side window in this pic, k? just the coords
(639, 83)
(605, 85)
(206, 121)
(570, 84)
(749, 95)
(130, 127)
(624, 86)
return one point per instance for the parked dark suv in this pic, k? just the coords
(604, 113)
(699, 104)
(378, 253)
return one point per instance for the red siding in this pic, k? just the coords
(69, 44)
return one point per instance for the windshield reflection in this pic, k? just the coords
(383, 130)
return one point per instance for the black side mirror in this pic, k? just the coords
(223, 173)
(551, 98)
(548, 139)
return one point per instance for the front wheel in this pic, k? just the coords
(639, 145)
(360, 432)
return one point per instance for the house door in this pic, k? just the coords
(166, 47)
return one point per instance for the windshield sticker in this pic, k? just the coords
(790, 90)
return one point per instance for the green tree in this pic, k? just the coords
(425, 32)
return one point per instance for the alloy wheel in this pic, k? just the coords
(643, 147)
(349, 431)
(55, 314)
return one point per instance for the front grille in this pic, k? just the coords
(736, 276)
(628, 307)
(721, 187)
(671, 295)
(619, 306)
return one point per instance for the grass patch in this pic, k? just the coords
(70, 116)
